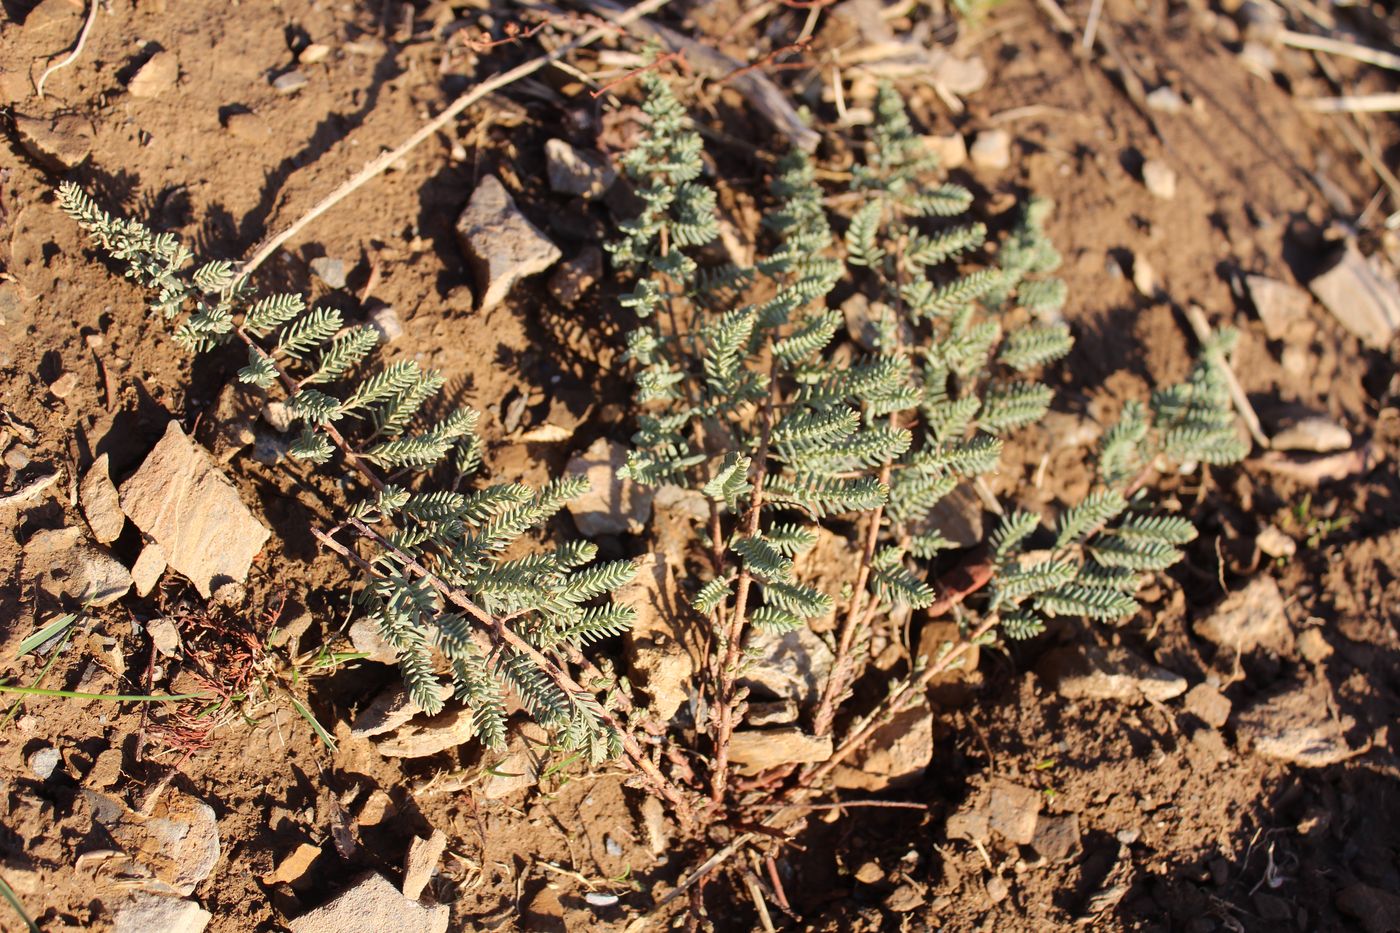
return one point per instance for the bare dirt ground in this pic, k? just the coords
(1168, 819)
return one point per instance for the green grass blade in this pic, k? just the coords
(44, 634)
(316, 726)
(114, 697)
(10, 895)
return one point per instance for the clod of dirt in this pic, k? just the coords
(1313, 646)
(789, 666)
(158, 74)
(248, 127)
(1295, 726)
(991, 150)
(144, 912)
(42, 762)
(178, 841)
(331, 271)
(519, 768)
(58, 144)
(164, 636)
(365, 636)
(1208, 704)
(150, 565)
(951, 149)
(1314, 433)
(1362, 297)
(1275, 543)
(289, 83)
(372, 903)
(180, 499)
(1249, 618)
(575, 172)
(895, 756)
(67, 567)
(294, 866)
(661, 659)
(1114, 673)
(421, 861)
(1057, 836)
(393, 707)
(1378, 911)
(755, 750)
(386, 320)
(1013, 811)
(574, 278)
(906, 898)
(101, 505)
(420, 738)
(502, 246)
(1160, 179)
(997, 889)
(1279, 305)
(612, 505)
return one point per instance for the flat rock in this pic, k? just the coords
(391, 708)
(755, 750)
(1057, 836)
(612, 505)
(787, 666)
(991, 149)
(158, 74)
(289, 83)
(294, 865)
(1013, 811)
(58, 144)
(574, 278)
(372, 903)
(1377, 910)
(576, 172)
(331, 271)
(1364, 300)
(165, 637)
(895, 756)
(365, 636)
(518, 769)
(419, 738)
(421, 861)
(1249, 618)
(67, 567)
(102, 506)
(1209, 704)
(1093, 673)
(1280, 306)
(660, 646)
(149, 567)
(1295, 726)
(178, 842)
(1160, 179)
(180, 499)
(501, 245)
(1314, 433)
(144, 912)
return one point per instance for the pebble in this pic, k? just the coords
(1313, 646)
(612, 505)
(518, 768)
(951, 149)
(314, 53)
(372, 903)
(1144, 276)
(165, 637)
(599, 899)
(756, 750)
(659, 660)
(1279, 305)
(44, 761)
(422, 737)
(1013, 811)
(1114, 673)
(1366, 301)
(386, 320)
(611, 846)
(991, 149)
(1294, 726)
(18, 457)
(1275, 543)
(1160, 179)
(63, 386)
(1314, 434)
(147, 912)
(500, 243)
(331, 271)
(1165, 99)
(101, 505)
(294, 865)
(158, 74)
(66, 566)
(1209, 704)
(421, 861)
(997, 889)
(289, 83)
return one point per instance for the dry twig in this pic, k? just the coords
(73, 55)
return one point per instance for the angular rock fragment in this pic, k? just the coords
(331, 271)
(180, 500)
(660, 646)
(501, 245)
(1094, 673)
(177, 842)
(518, 769)
(1280, 306)
(101, 505)
(372, 903)
(393, 707)
(1160, 179)
(67, 567)
(1366, 302)
(294, 865)
(58, 144)
(991, 149)
(789, 666)
(951, 149)
(895, 756)
(1013, 811)
(1057, 836)
(1295, 726)
(755, 750)
(1208, 703)
(421, 861)
(365, 636)
(1249, 618)
(574, 172)
(612, 505)
(1312, 433)
(158, 74)
(419, 738)
(150, 565)
(144, 912)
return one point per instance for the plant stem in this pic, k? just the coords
(115, 697)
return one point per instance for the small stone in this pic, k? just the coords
(991, 150)
(249, 127)
(1144, 276)
(67, 567)
(393, 707)
(145, 912)
(1280, 306)
(1314, 434)
(165, 637)
(331, 271)
(1165, 99)
(904, 899)
(59, 144)
(1094, 673)
(771, 713)
(997, 889)
(1057, 836)
(870, 873)
(574, 278)
(378, 806)
(18, 457)
(502, 246)
(44, 761)
(289, 83)
(1160, 179)
(372, 903)
(294, 865)
(895, 756)
(1249, 618)
(1313, 646)
(1258, 59)
(599, 899)
(951, 149)
(612, 847)
(422, 737)
(1275, 543)
(106, 770)
(278, 416)
(158, 74)
(972, 825)
(63, 386)
(181, 500)
(1377, 910)
(612, 505)
(575, 172)
(421, 861)
(518, 769)
(755, 750)
(568, 409)
(365, 636)
(1294, 726)
(1365, 300)
(386, 320)
(102, 506)
(1013, 811)
(314, 54)
(660, 646)
(1209, 704)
